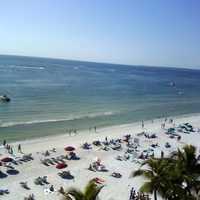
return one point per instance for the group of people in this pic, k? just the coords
(9, 148)
(75, 131)
(93, 128)
(138, 195)
(72, 131)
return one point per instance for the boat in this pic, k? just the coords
(172, 84)
(4, 98)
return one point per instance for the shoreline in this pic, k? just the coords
(84, 131)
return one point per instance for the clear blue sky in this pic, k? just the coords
(146, 32)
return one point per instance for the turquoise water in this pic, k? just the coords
(51, 95)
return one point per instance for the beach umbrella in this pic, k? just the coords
(61, 165)
(6, 159)
(69, 148)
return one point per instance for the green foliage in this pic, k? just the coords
(90, 192)
(174, 178)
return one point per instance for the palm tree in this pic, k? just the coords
(188, 168)
(156, 173)
(90, 192)
(174, 178)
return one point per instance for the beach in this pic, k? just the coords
(115, 188)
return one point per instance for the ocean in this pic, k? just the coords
(51, 96)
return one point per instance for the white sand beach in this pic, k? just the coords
(115, 188)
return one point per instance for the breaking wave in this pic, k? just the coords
(92, 115)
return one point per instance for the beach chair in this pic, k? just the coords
(66, 175)
(44, 162)
(30, 197)
(24, 185)
(38, 181)
(2, 191)
(116, 175)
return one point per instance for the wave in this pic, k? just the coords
(23, 67)
(92, 115)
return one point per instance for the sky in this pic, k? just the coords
(136, 32)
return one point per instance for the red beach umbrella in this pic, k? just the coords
(69, 148)
(61, 165)
(6, 159)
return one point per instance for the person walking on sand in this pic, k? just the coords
(162, 154)
(142, 124)
(19, 148)
(4, 143)
(11, 150)
(95, 129)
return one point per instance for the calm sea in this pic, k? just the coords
(49, 96)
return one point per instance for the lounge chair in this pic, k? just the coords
(119, 158)
(30, 197)
(66, 175)
(97, 143)
(2, 192)
(86, 146)
(24, 185)
(116, 175)
(38, 181)
(44, 162)
(3, 175)
(55, 160)
(116, 147)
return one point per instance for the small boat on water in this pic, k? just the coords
(172, 84)
(4, 98)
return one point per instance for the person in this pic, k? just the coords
(61, 190)
(106, 139)
(162, 154)
(19, 148)
(51, 188)
(11, 150)
(4, 143)
(95, 129)
(8, 147)
(163, 125)
(142, 124)
(75, 131)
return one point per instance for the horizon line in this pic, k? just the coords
(98, 62)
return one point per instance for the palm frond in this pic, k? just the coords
(76, 193)
(92, 190)
(147, 187)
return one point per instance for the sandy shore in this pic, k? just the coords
(115, 189)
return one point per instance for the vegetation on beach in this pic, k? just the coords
(90, 192)
(175, 177)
